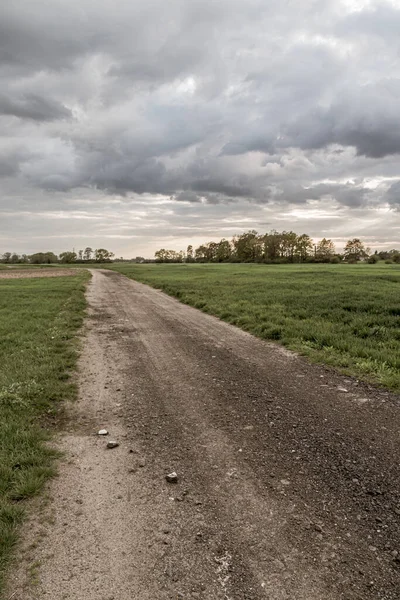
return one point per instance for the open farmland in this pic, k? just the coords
(39, 318)
(285, 473)
(346, 316)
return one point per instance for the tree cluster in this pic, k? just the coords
(272, 247)
(100, 255)
(389, 256)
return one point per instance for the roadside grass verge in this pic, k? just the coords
(346, 316)
(39, 320)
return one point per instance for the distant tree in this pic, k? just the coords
(224, 251)
(6, 257)
(175, 256)
(43, 258)
(394, 255)
(248, 247)
(189, 254)
(355, 250)
(80, 254)
(211, 249)
(304, 247)
(103, 255)
(272, 245)
(14, 258)
(325, 249)
(68, 257)
(200, 253)
(87, 253)
(169, 256)
(161, 255)
(280, 246)
(289, 245)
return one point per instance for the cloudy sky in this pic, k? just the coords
(141, 124)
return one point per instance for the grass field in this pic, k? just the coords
(39, 319)
(347, 316)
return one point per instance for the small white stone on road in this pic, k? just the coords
(172, 477)
(342, 389)
(112, 444)
(103, 432)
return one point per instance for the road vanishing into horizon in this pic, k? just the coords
(288, 473)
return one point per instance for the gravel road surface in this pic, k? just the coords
(288, 474)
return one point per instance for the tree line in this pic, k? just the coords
(275, 247)
(88, 255)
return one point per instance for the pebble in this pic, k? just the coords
(102, 432)
(342, 389)
(112, 444)
(172, 477)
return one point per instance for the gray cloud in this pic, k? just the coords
(187, 197)
(365, 118)
(31, 106)
(381, 20)
(212, 107)
(393, 195)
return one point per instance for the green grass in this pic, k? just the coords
(39, 320)
(346, 316)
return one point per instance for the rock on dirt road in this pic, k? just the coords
(288, 488)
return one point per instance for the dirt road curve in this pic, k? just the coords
(288, 484)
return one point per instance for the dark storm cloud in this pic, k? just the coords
(366, 118)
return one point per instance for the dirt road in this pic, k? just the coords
(289, 482)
